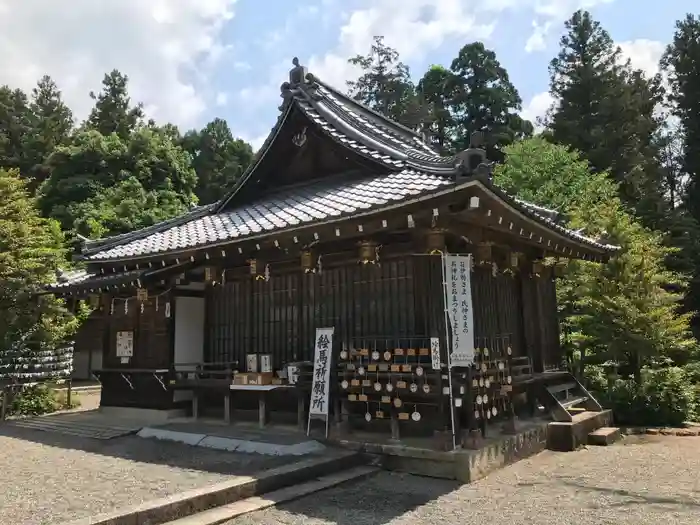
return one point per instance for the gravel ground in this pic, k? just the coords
(48, 478)
(643, 481)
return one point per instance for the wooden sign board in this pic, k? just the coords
(435, 352)
(458, 299)
(320, 386)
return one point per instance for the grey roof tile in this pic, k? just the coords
(314, 202)
(84, 280)
(417, 170)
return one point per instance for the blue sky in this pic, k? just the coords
(192, 60)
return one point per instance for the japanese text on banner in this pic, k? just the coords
(458, 299)
(322, 372)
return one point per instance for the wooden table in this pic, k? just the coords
(262, 391)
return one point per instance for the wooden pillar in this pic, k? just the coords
(533, 326)
(106, 331)
(227, 407)
(262, 409)
(172, 327)
(301, 409)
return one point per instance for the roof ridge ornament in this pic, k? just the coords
(298, 76)
(473, 160)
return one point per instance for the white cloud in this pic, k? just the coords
(537, 40)
(537, 108)
(155, 43)
(242, 66)
(643, 54)
(221, 99)
(550, 13)
(421, 26)
(414, 29)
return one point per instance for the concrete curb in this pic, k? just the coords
(242, 487)
(233, 445)
(679, 432)
(228, 512)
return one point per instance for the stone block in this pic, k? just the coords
(604, 436)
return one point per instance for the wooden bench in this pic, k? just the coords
(205, 377)
(262, 392)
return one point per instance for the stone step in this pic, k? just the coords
(604, 436)
(225, 513)
(238, 488)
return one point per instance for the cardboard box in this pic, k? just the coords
(262, 378)
(240, 379)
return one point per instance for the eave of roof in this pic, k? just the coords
(333, 204)
(98, 245)
(85, 280)
(398, 149)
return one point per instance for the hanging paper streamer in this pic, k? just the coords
(127, 299)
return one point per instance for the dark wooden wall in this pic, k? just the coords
(385, 303)
(396, 304)
(152, 351)
(151, 335)
(498, 311)
(541, 321)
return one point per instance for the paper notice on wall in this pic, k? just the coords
(125, 344)
(458, 300)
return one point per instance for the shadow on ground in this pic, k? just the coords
(136, 449)
(370, 500)
(631, 498)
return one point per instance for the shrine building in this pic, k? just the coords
(431, 289)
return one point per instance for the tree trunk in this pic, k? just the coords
(582, 365)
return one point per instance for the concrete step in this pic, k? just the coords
(188, 503)
(224, 513)
(564, 436)
(604, 436)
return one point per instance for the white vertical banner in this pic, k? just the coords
(320, 385)
(458, 302)
(435, 352)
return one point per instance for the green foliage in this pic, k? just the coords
(31, 251)
(103, 185)
(15, 130)
(627, 310)
(385, 85)
(219, 159)
(664, 397)
(605, 110)
(31, 129)
(113, 112)
(681, 64)
(40, 399)
(52, 126)
(484, 99)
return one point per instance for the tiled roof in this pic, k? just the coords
(297, 206)
(412, 167)
(196, 212)
(84, 280)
